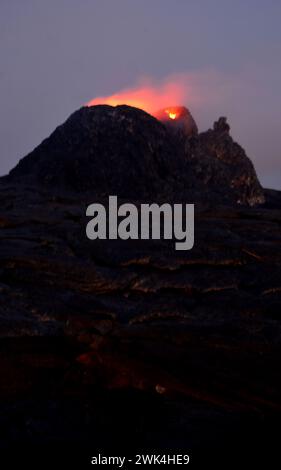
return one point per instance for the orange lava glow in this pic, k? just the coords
(146, 96)
(170, 114)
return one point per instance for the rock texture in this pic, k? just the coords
(125, 151)
(223, 166)
(132, 343)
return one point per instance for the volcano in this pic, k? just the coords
(129, 153)
(132, 345)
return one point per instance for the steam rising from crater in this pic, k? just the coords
(148, 95)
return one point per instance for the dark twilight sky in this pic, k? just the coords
(56, 55)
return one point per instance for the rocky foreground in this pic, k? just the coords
(131, 342)
(192, 337)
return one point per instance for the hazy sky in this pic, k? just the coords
(58, 54)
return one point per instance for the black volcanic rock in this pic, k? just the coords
(124, 151)
(223, 166)
(106, 150)
(133, 343)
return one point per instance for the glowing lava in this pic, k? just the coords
(171, 115)
(147, 96)
(161, 100)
